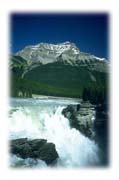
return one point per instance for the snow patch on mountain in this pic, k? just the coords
(66, 52)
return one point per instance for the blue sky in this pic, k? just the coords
(88, 31)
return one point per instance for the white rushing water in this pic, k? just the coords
(43, 119)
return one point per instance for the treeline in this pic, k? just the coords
(24, 88)
(96, 95)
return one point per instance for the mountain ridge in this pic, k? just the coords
(61, 71)
(48, 53)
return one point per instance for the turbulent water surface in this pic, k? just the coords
(43, 119)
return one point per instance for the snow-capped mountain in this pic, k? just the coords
(56, 69)
(47, 53)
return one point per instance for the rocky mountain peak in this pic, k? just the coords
(66, 52)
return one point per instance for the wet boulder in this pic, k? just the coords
(36, 149)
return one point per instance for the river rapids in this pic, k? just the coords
(43, 119)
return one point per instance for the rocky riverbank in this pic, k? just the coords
(91, 121)
(81, 117)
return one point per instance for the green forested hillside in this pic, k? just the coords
(55, 79)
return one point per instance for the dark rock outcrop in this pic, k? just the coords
(36, 148)
(102, 131)
(81, 117)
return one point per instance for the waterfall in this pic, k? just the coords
(45, 121)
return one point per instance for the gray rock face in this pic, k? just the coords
(81, 117)
(66, 52)
(36, 149)
(47, 53)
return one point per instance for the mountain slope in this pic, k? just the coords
(48, 53)
(61, 70)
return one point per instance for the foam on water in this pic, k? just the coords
(47, 122)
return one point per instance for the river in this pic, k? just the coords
(43, 119)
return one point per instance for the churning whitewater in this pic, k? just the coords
(43, 119)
